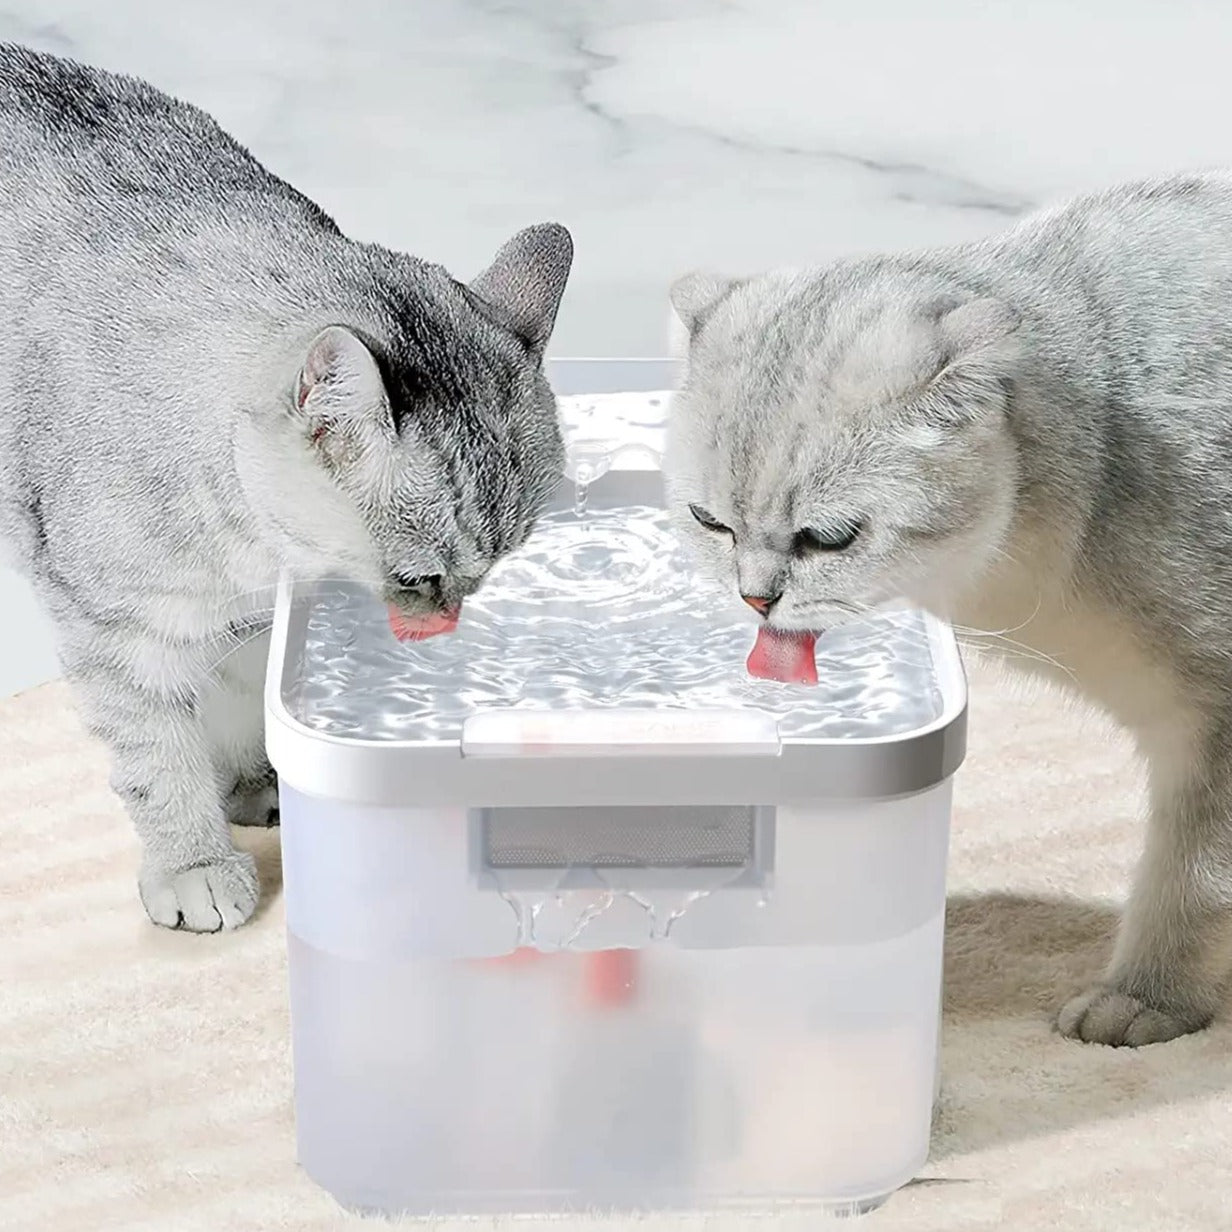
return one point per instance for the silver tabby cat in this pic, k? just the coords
(202, 382)
(1033, 435)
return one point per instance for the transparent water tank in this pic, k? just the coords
(582, 916)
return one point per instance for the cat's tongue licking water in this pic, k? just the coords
(419, 628)
(784, 655)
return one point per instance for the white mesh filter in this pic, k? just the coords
(619, 836)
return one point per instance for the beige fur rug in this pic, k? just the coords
(145, 1078)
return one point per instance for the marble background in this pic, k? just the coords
(666, 133)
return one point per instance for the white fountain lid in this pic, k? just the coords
(596, 638)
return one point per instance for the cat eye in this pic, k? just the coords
(709, 521)
(836, 538)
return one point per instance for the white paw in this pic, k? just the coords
(1105, 1015)
(253, 806)
(205, 899)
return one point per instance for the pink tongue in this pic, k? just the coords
(784, 656)
(419, 628)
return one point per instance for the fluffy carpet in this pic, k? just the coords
(145, 1075)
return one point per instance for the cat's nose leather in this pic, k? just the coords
(427, 585)
(759, 603)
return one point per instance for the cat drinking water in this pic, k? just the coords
(1032, 436)
(202, 383)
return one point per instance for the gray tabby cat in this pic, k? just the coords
(203, 382)
(1033, 435)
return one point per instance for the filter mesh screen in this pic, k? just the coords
(625, 836)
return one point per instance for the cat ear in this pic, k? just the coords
(526, 281)
(980, 352)
(977, 323)
(697, 295)
(339, 382)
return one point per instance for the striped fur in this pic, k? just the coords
(203, 382)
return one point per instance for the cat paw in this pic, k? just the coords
(1106, 1015)
(205, 899)
(253, 804)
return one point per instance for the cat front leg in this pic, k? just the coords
(253, 798)
(147, 708)
(235, 718)
(1169, 970)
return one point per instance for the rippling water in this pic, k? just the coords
(598, 611)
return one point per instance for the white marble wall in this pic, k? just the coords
(667, 133)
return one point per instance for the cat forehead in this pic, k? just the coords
(847, 356)
(773, 469)
(444, 355)
(817, 419)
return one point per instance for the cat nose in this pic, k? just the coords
(761, 604)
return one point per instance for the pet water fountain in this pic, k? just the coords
(582, 916)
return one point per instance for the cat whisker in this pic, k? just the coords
(256, 621)
(830, 605)
(272, 589)
(980, 639)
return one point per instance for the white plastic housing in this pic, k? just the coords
(744, 1014)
